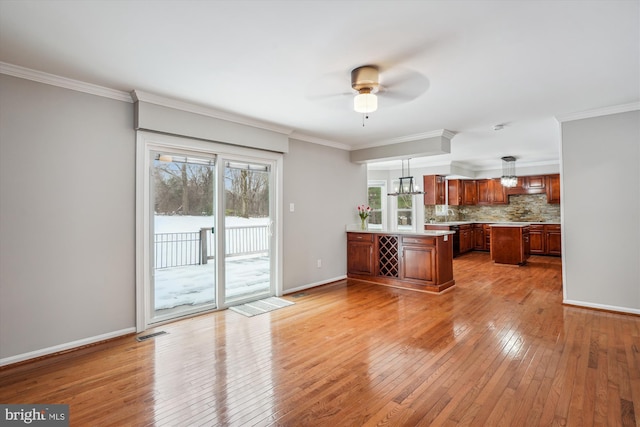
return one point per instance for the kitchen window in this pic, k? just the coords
(404, 212)
(377, 200)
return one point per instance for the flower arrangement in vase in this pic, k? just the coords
(363, 213)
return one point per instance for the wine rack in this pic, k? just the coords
(388, 255)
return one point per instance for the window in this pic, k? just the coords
(405, 210)
(377, 199)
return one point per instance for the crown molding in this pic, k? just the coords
(315, 140)
(408, 138)
(432, 134)
(63, 82)
(519, 165)
(616, 109)
(319, 141)
(151, 98)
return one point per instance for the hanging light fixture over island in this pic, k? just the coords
(406, 186)
(509, 178)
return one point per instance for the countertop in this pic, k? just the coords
(505, 223)
(400, 232)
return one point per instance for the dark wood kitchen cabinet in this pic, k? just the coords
(553, 239)
(535, 184)
(553, 188)
(491, 192)
(455, 191)
(487, 236)
(537, 239)
(529, 185)
(479, 240)
(462, 192)
(435, 189)
(360, 253)
(520, 187)
(470, 191)
(483, 191)
(466, 238)
(545, 239)
(510, 244)
(418, 259)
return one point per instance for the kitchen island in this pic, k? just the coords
(419, 261)
(510, 243)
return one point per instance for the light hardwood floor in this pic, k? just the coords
(498, 349)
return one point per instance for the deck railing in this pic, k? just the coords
(197, 247)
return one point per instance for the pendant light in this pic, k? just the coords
(406, 186)
(509, 178)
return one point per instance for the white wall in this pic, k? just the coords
(66, 216)
(325, 188)
(601, 211)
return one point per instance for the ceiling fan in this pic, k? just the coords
(372, 86)
(365, 80)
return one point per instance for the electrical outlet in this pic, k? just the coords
(319, 263)
(292, 207)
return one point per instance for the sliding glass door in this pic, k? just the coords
(247, 230)
(207, 227)
(183, 196)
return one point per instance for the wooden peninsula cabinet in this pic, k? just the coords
(510, 243)
(415, 261)
(360, 253)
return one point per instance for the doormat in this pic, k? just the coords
(266, 305)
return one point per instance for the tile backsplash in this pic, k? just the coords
(532, 207)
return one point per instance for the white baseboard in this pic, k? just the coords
(312, 285)
(63, 347)
(625, 310)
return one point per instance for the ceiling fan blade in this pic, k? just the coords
(405, 57)
(402, 85)
(331, 84)
(328, 96)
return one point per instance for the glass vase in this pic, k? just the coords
(363, 223)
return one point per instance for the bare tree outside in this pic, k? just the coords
(247, 193)
(183, 188)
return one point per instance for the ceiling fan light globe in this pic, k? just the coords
(365, 103)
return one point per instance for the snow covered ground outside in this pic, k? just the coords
(193, 284)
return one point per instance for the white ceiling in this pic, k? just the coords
(458, 65)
